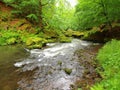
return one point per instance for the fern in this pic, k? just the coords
(32, 17)
(25, 8)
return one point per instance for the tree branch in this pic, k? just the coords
(45, 4)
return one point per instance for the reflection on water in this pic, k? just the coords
(8, 73)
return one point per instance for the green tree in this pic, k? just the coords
(30, 9)
(48, 14)
(96, 12)
(63, 16)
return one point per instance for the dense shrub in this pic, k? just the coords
(26, 9)
(109, 59)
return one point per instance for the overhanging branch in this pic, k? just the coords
(45, 4)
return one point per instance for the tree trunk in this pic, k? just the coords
(106, 14)
(40, 15)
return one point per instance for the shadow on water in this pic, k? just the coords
(9, 75)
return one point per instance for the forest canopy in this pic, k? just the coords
(96, 12)
(54, 14)
(62, 14)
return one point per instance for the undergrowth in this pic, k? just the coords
(109, 59)
(11, 37)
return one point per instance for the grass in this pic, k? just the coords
(109, 59)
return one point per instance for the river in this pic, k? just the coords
(8, 73)
(52, 68)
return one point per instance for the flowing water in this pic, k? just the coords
(42, 69)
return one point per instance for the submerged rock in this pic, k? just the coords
(67, 71)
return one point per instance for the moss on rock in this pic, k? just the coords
(52, 40)
(36, 46)
(64, 39)
(67, 71)
(50, 34)
(71, 33)
(33, 40)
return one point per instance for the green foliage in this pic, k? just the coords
(79, 89)
(9, 34)
(54, 14)
(93, 31)
(8, 1)
(60, 16)
(2, 41)
(95, 12)
(97, 87)
(109, 58)
(50, 14)
(32, 17)
(9, 37)
(11, 41)
(50, 33)
(12, 37)
(26, 9)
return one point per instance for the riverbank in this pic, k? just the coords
(87, 58)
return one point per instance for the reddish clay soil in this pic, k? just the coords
(4, 7)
